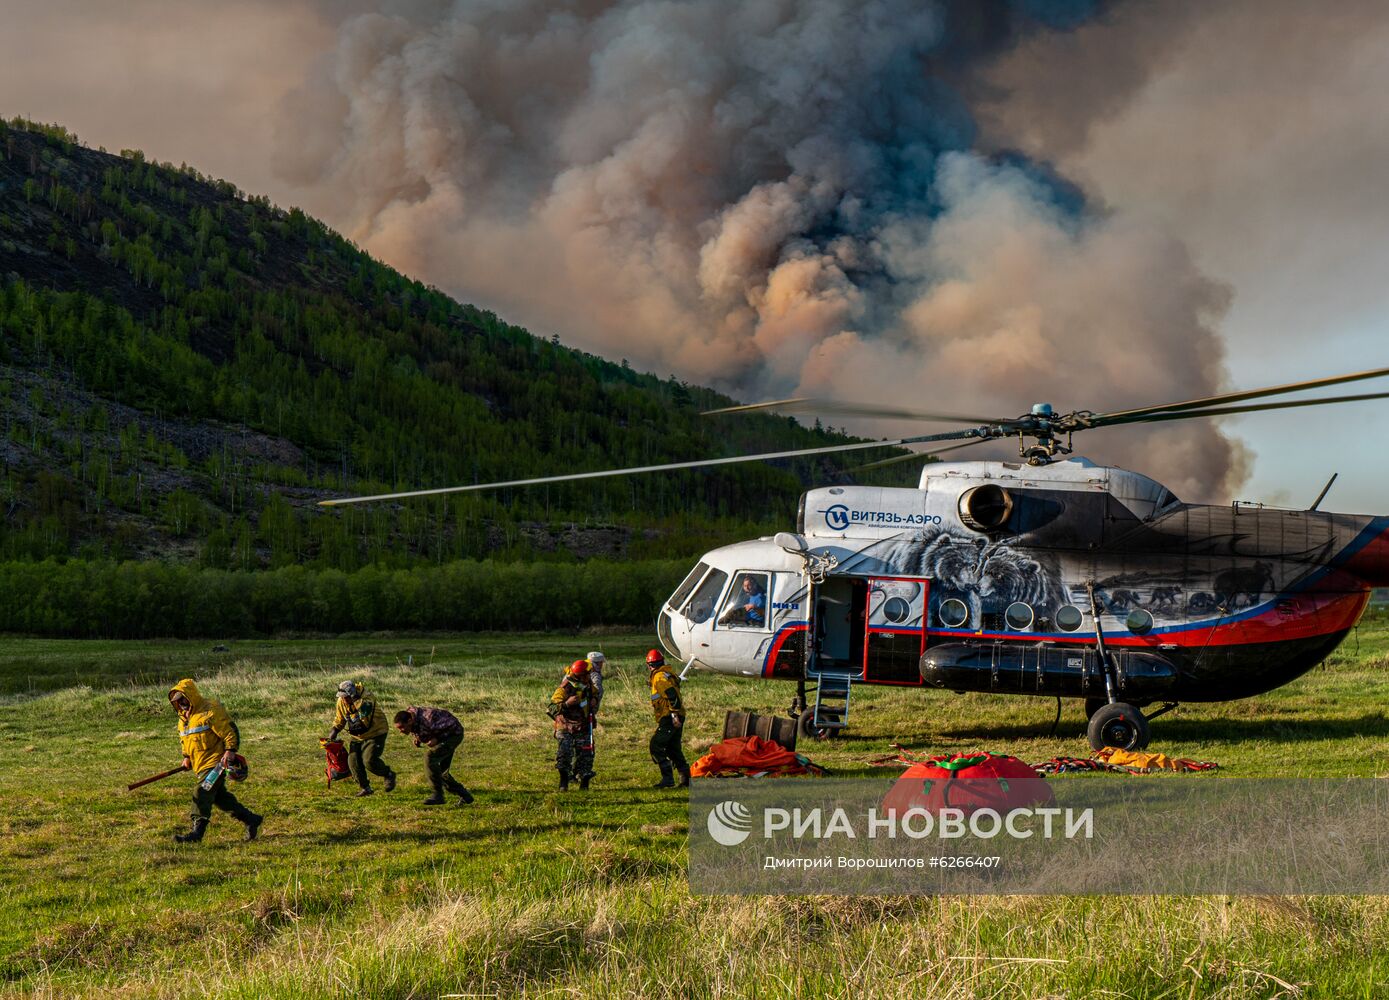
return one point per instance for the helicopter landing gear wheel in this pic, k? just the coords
(809, 730)
(1118, 725)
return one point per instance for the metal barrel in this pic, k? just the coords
(768, 727)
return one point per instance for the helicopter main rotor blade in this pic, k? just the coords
(1252, 408)
(770, 404)
(850, 409)
(1127, 416)
(667, 467)
(916, 454)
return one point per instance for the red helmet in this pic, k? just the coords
(238, 770)
(579, 668)
(655, 659)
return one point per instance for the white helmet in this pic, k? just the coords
(596, 660)
(347, 689)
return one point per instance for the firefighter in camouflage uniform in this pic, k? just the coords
(366, 726)
(572, 707)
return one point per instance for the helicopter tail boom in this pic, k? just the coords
(1367, 558)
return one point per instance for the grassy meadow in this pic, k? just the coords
(530, 892)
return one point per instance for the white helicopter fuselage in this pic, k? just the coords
(1005, 577)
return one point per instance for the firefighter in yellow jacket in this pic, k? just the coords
(670, 723)
(572, 707)
(366, 726)
(209, 740)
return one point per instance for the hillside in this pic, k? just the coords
(185, 370)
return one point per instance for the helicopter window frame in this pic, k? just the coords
(692, 580)
(1079, 619)
(949, 602)
(897, 610)
(691, 611)
(1008, 617)
(732, 604)
(1139, 621)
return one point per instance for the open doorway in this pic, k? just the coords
(840, 608)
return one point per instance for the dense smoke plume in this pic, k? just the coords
(1255, 128)
(770, 196)
(865, 200)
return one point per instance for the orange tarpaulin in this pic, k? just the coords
(753, 757)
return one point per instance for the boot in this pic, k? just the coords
(563, 782)
(364, 792)
(465, 797)
(583, 782)
(194, 835)
(667, 776)
(253, 823)
(390, 782)
(437, 799)
(684, 778)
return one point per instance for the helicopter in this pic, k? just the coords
(1051, 576)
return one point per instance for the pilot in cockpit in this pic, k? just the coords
(748, 607)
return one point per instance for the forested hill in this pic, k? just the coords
(186, 370)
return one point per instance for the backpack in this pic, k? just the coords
(336, 768)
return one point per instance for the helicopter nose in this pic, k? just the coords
(670, 635)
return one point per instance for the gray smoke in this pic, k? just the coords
(773, 196)
(1255, 128)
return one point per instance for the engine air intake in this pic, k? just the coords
(985, 508)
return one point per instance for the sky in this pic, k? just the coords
(963, 206)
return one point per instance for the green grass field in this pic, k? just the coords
(531, 892)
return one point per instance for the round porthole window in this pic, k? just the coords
(953, 613)
(896, 610)
(1139, 622)
(1069, 618)
(1019, 616)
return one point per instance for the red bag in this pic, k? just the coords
(337, 768)
(968, 782)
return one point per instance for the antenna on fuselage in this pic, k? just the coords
(1324, 491)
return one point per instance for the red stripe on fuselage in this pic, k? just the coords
(777, 643)
(1304, 615)
(1371, 563)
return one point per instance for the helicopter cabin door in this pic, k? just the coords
(841, 604)
(894, 630)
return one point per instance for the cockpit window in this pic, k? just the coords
(746, 605)
(677, 599)
(701, 605)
